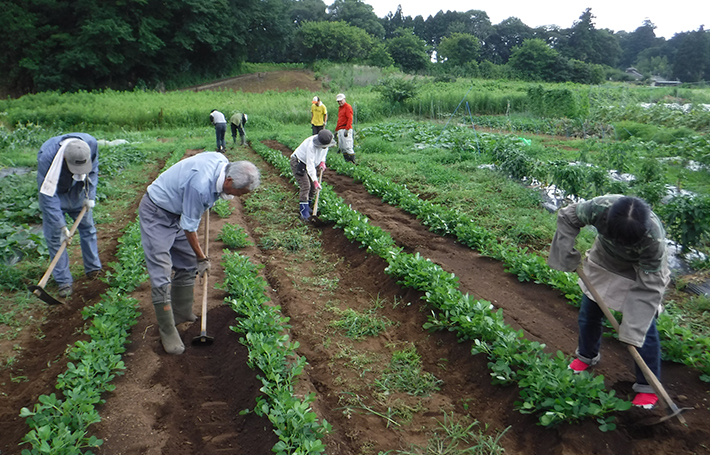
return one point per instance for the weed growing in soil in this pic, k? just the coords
(358, 325)
(458, 437)
(405, 374)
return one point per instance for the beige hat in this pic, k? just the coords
(78, 157)
(340, 97)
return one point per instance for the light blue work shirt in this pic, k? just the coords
(189, 187)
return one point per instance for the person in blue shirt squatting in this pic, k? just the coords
(67, 175)
(170, 213)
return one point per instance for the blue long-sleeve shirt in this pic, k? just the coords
(72, 191)
(189, 187)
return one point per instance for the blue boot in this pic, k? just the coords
(305, 211)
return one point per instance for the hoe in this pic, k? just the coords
(672, 409)
(203, 339)
(38, 290)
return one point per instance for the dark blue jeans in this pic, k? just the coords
(590, 322)
(220, 130)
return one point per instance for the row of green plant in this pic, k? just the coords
(273, 355)
(686, 216)
(59, 425)
(547, 386)
(680, 344)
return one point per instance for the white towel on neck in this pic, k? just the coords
(49, 186)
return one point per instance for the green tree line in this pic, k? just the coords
(122, 44)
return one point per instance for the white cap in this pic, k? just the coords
(340, 97)
(315, 99)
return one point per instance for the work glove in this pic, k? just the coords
(203, 265)
(89, 203)
(322, 165)
(346, 133)
(65, 236)
(316, 185)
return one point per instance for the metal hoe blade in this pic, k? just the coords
(673, 410)
(38, 289)
(43, 296)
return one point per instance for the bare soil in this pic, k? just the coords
(190, 404)
(277, 81)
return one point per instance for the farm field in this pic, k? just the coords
(328, 286)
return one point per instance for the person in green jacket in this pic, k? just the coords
(628, 266)
(236, 123)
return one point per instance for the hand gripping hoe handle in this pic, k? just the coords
(38, 289)
(673, 410)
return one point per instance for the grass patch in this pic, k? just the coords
(404, 374)
(458, 437)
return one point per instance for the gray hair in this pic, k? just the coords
(244, 174)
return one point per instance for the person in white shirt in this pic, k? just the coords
(304, 160)
(220, 128)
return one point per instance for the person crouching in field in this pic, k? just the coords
(311, 153)
(67, 177)
(237, 122)
(170, 213)
(627, 265)
(220, 128)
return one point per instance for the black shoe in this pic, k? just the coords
(94, 274)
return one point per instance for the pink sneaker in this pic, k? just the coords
(645, 400)
(578, 366)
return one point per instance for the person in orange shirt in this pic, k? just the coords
(344, 128)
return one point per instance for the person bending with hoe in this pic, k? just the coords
(237, 123)
(303, 165)
(627, 265)
(67, 176)
(170, 213)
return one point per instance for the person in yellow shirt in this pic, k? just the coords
(319, 115)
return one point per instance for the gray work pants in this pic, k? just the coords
(306, 189)
(164, 244)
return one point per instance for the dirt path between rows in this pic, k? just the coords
(190, 404)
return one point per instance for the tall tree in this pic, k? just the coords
(499, 44)
(459, 48)
(408, 51)
(632, 44)
(535, 61)
(270, 31)
(335, 41)
(308, 11)
(97, 44)
(585, 43)
(692, 62)
(358, 14)
(393, 21)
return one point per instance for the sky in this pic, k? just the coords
(669, 17)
